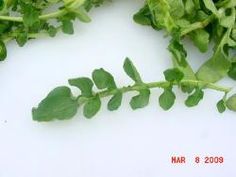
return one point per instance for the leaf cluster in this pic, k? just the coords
(202, 21)
(34, 18)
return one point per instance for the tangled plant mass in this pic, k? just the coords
(202, 21)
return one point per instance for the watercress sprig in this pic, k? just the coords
(61, 104)
(34, 19)
(202, 21)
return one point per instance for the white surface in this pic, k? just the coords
(125, 143)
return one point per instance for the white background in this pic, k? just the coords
(124, 143)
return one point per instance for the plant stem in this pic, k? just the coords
(12, 35)
(160, 84)
(56, 14)
(52, 15)
(13, 19)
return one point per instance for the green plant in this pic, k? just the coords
(202, 21)
(33, 19)
(61, 104)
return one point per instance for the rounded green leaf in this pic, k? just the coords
(2, 4)
(200, 39)
(131, 71)
(187, 88)
(3, 51)
(59, 104)
(143, 17)
(221, 106)
(103, 79)
(231, 103)
(92, 107)
(30, 14)
(140, 100)
(174, 74)
(167, 99)
(85, 85)
(115, 102)
(67, 26)
(21, 39)
(232, 71)
(52, 31)
(195, 98)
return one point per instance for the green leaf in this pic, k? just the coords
(177, 9)
(3, 51)
(2, 4)
(131, 71)
(227, 18)
(84, 84)
(218, 66)
(178, 52)
(187, 88)
(179, 59)
(214, 69)
(21, 39)
(92, 107)
(167, 99)
(174, 74)
(10, 3)
(210, 5)
(30, 14)
(115, 102)
(195, 98)
(103, 79)
(231, 103)
(200, 39)
(233, 34)
(190, 7)
(59, 104)
(4, 27)
(232, 71)
(161, 12)
(221, 106)
(67, 26)
(143, 17)
(141, 100)
(92, 3)
(52, 31)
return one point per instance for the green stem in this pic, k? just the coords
(197, 25)
(161, 84)
(13, 19)
(10, 36)
(52, 15)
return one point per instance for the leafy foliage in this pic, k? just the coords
(221, 106)
(141, 100)
(195, 98)
(231, 103)
(201, 21)
(115, 101)
(167, 99)
(32, 21)
(59, 104)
